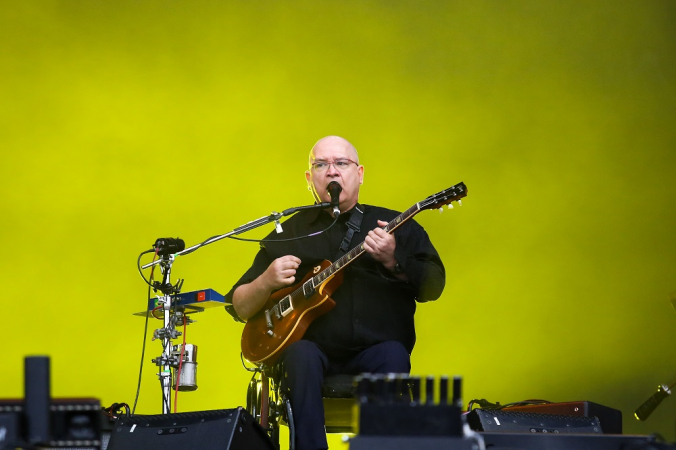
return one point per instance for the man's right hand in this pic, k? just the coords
(281, 272)
(249, 298)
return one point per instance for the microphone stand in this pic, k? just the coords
(663, 391)
(166, 361)
(274, 217)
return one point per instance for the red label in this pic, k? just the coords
(201, 296)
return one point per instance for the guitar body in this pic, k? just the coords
(262, 344)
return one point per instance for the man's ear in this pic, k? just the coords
(310, 186)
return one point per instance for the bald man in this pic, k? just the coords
(371, 329)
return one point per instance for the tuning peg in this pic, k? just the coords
(450, 206)
(460, 202)
(441, 210)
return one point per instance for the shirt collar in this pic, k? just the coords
(315, 214)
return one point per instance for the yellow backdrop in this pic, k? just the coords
(125, 121)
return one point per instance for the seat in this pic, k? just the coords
(269, 406)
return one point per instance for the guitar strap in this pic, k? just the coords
(352, 226)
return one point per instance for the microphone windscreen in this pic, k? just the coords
(168, 246)
(334, 191)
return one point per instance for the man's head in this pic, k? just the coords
(334, 159)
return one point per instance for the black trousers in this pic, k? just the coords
(305, 366)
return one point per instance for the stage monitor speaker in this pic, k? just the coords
(412, 442)
(496, 420)
(609, 418)
(521, 441)
(75, 422)
(221, 429)
(11, 426)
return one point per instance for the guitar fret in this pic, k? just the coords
(295, 295)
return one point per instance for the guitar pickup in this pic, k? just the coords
(285, 306)
(308, 289)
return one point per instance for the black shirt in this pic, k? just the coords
(372, 306)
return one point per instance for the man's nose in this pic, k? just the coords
(332, 171)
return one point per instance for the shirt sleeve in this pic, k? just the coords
(421, 262)
(260, 264)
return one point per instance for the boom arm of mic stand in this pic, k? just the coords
(323, 205)
(246, 227)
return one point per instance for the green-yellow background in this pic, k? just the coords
(125, 121)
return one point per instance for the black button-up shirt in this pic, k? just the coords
(372, 306)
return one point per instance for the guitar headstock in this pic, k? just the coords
(445, 197)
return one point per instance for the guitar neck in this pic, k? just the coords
(357, 251)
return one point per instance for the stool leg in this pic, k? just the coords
(252, 405)
(274, 435)
(292, 426)
(265, 400)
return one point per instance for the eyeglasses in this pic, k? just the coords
(339, 164)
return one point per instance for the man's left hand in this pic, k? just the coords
(380, 245)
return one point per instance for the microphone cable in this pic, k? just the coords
(145, 331)
(316, 233)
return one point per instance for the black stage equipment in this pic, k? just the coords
(522, 441)
(221, 429)
(39, 421)
(610, 418)
(392, 405)
(36, 399)
(496, 420)
(72, 423)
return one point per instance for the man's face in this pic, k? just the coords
(344, 169)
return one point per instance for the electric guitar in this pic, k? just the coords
(289, 311)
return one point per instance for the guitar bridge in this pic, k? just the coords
(275, 309)
(268, 319)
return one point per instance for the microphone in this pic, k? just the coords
(649, 406)
(334, 191)
(168, 246)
